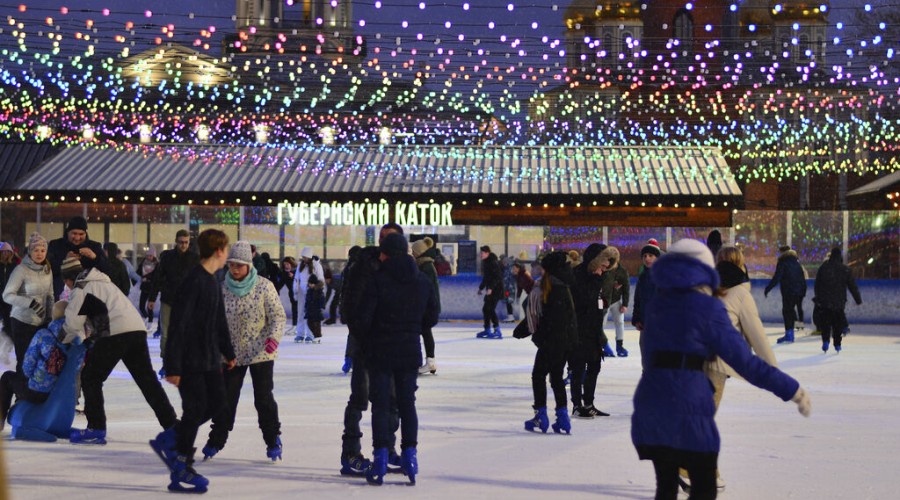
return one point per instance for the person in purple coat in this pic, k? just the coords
(673, 421)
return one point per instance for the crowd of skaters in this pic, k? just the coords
(564, 301)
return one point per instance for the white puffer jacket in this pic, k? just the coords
(30, 281)
(744, 316)
(95, 292)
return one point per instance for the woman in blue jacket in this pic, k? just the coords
(673, 422)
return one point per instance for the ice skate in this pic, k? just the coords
(595, 412)
(274, 451)
(375, 474)
(184, 479)
(581, 412)
(483, 334)
(608, 352)
(393, 462)
(355, 466)
(562, 424)
(210, 451)
(347, 366)
(825, 346)
(837, 348)
(87, 436)
(164, 446)
(539, 422)
(496, 334)
(409, 464)
(298, 339)
(621, 351)
(428, 367)
(788, 337)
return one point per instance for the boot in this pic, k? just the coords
(428, 367)
(409, 464)
(184, 478)
(788, 337)
(540, 421)
(620, 349)
(375, 474)
(608, 352)
(581, 412)
(562, 424)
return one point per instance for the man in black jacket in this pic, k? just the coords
(590, 309)
(198, 343)
(401, 303)
(172, 268)
(833, 280)
(492, 285)
(790, 277)
(75, 243)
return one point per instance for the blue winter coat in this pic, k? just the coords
(35, 364)
(674, 408)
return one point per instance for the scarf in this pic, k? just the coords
(243, 287)
(148, 266)
(45, 267)
(731, 275)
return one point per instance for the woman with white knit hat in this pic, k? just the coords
(30, 293)
(309, 264)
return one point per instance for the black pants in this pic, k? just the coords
(293, 309)
(832, 323)
(791, 310)
(333, 308)
(489, 311)
(21, 333)
(266, 408)
(5, 310)
(356, 405)
(428, 340)
(546, 365)
(702, 473)
(393, 392)
(202, 397)
(131, 349)
(12, 383)
(588, 370)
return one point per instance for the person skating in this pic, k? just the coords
(8, 262)
(553, 328)
(616, 288)
(426, 265)
(402, 302)
(645, 289)
(673, 421)
(173, 267)
(585, 357)
(197, 344)
(147, 268)
(97, 304)
(255, 318)
(833, 280)
(313, 309)
(789, 275)
(492, 287)
(29, 291)
(309, 265)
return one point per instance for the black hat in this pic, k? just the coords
(554, 261)
(77, 222)
(784, 248)
(394, 245)
(313, 279)
(486, 248)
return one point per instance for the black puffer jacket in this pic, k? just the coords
(400, 304)
(357, 275)
(557, 332)
(585, 294)
(833, 281)
(788, 275)
(172, 268)
(492, 275)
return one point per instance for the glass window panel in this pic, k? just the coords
(297, 237)
(759, 234)
(814, 234)
(266, 237)
(525, 243)
(874, 241)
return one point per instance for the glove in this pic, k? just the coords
(77, 340)
(37, 308)
(271, 345)
(804, 405)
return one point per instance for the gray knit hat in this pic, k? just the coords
(36, 240)
(241, 253)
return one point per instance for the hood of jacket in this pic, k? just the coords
(678, 271)
(91, 274)
(609, 254)
(590, 259)
(788, 254)
(402, 268)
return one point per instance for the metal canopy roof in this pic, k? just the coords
(437, 171)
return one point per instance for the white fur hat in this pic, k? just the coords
(306, 253)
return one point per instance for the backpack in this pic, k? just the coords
(442, 266)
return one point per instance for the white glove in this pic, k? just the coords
(804, 405)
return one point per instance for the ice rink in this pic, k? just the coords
(471, 438)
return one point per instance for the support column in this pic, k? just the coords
(789, 230)
(845, 236)
(241, 222)
(605, 235)
(134, 232)
(38, 222)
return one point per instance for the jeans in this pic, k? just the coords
(618, 319)
(356, 405)
(263, 399)
(702, 474)
(302, 329)
(131, 349)
(589, 370)
(403, 382)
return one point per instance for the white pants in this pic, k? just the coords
(302, 328)
(518, 310)
(618, 319)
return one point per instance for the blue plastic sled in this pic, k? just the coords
(52, 419)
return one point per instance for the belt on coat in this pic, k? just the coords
(674, 360)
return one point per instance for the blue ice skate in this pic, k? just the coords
(274, 451)
(209, 451)
(375, 474)
(184, 479)
(608, 352)
(164, 446)
(562, 424)
(495, 334)
(87, 436)
(409, 464)
(540, 421)
(347, 366)
(355, 466)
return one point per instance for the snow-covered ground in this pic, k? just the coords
(472, 443)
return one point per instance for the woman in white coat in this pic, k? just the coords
(307, 266)
(30, 293)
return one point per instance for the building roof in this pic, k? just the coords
(885, 182)
(17, 159)
(217, 172)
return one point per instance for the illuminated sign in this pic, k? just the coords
(365, 214)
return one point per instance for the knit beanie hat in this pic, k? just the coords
(485, 248)
(784, 248)
(694, 249)
(652, 247)
(240, 253)
(151, 250)
(554, 261)
(4, 246)
(77, 222)
(36, 240)
(394, 245)
(420, 246)
(70, 268)
(306, 253)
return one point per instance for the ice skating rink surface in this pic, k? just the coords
(472, 443)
